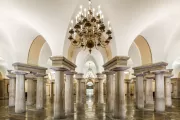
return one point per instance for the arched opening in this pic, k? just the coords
(35, 49)
(144, 48)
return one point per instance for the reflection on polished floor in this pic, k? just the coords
(91, 112)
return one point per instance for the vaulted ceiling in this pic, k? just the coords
(21, 21)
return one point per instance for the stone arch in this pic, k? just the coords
(144, 49)
(35, 50)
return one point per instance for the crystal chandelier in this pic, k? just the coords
(89, 29)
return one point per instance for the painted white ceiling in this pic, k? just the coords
(22, 20)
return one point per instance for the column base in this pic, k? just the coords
(159, 105)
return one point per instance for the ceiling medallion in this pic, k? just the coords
(88, 31)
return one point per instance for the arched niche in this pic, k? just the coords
(140, 51)
(39, 51)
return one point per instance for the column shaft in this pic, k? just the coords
(140, 92)
(59, 106)
(20, 94)
(12, 92)
(159, 90)
(149, 92)
(101, 92)
(31, 92)
(119, 106)
(69, 97)
(110, 101)
(96, 92)
(168, 91)
(40, 93)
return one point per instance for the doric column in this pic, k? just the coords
(79, 91)
(119, 106)
(83, 85)
(31, 96)
(69, 96)
(110, 100)
(12, 88)
(134, 92)
(128, 82)
(59, 101)
(139, 90)
(20, 91)
(40, 91)
(96, 91)
(118, 64)
(100, 78)
(159, 90)
(60, 64)
(168, 88)
(52, 90)
(149, 89)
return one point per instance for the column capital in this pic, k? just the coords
(29, 68)
(30, 76)
(139, 74)
(100, 76)
(40, 75)
(19, 72)
(62, 62)
(107, 72)
(156, 72)
(117, 63)
(127, 80)
(71, 72)
(11, 76)
(168, 74)
(149, 76)
(79, 76)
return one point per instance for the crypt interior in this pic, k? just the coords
(89, 59)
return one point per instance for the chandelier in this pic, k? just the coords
(89, 29)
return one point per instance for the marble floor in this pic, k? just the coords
(91, 112)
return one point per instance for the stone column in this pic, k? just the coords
(127, 81)
(119, 105)
(20, 91)
(79, 92)
(139, 91)
(59, 100)
(83, 84)
(159, 91)
(52, 91)
(30, 89)
(110, 100)
(96, 91)
(100, 78)
(40, 91)
(168, 89)
(12, 88)
(69, 94)
(134, 81)
(149, 89)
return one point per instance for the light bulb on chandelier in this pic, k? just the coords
(88, 31)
